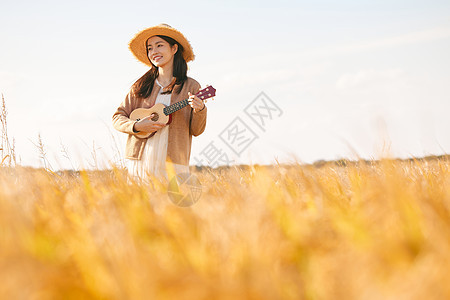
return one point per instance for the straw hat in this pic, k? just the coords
(138, 44)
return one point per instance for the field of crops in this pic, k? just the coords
(367, 230)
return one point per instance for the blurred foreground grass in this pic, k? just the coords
(377, 230)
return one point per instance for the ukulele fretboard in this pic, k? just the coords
(176, 106)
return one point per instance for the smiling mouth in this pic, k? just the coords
(157, 58)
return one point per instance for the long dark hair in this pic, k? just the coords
(142, 88)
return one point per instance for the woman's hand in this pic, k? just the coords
(147, 125)
(195, 102)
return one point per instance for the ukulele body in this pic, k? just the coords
(160, 117)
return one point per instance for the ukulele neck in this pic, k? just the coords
(175, 107)
(204, 94)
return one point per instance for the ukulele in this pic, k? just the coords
(163, 114)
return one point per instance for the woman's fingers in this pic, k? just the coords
(195, 102)
(149, 118)
(147, 125)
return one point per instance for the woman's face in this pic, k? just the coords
(159, 51)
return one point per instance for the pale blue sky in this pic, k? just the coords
(350, 76)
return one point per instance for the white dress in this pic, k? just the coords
(153, 161)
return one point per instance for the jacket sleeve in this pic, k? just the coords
(198, 119)
(120, 119)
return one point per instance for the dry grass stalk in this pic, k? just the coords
(375, 230)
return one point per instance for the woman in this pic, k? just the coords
(166, 51)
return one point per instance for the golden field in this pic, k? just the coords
(362, 230)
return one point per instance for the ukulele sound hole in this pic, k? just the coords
(155, 117)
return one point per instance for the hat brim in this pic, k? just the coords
(138, 45)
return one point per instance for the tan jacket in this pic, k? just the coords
(185, 123)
